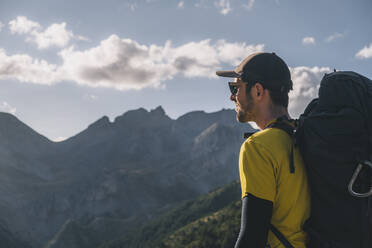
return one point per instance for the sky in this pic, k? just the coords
(65, 64)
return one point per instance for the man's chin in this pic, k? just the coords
(242, 117)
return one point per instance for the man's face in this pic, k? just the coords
(243, 102)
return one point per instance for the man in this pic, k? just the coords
(272, 174)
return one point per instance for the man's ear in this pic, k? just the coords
(258, 90)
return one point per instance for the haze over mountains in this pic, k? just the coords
(112, 176)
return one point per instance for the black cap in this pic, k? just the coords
(266, 68)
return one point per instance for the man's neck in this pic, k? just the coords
(266, 116)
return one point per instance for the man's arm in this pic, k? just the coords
(255, 222)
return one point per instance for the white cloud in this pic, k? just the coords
(82, 38)
(334, 37)
(126, 64)
(181, 5)
(90, 97)
(306, 81)
(308, 41)
(234, 53)
(5, 107)
(249, 5)
(365, 53)
(22, 25)
(54, 35)
(1, 26)
(201, 4)
(133, 6)
(223, 6)
(26, 69)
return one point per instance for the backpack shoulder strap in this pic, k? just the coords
(281, 237)
(284, 124)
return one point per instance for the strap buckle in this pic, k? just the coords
(355, 176)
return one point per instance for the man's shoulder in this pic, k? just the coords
(268, 136)
(271, 139)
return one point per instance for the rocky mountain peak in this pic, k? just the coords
(13, 130)
(7, 119)
(102, 122)
(5, 115)
(143, 118)
(158, 111)
(137, 114)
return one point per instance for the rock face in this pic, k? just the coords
(8, 239)
(111, 174)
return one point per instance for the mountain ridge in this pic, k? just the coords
(130, 167)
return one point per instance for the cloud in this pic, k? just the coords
(334, 37)
(55, 35)
(365, 53)
(93, 97)
(306, 82)
(234, 53)
(90, 97)
(125, 64)
(22, 25)
(181, 5)
(133, 6)
(223, 6)
(122, 64)
(82, 38)
(5, 107)
(201, 4)
(249, 5)
(26, 69)
(308, 41)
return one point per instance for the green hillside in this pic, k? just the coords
(212, 220)
(216, 230)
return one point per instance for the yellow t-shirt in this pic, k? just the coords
(265, 173)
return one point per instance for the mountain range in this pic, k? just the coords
(111, 177)
(211, 220)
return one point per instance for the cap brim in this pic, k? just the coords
(231, 74)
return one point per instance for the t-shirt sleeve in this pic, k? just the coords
(256, 169)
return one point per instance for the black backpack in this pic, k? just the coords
(334, 136)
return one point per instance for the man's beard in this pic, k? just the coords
(245, 114)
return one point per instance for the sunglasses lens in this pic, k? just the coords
(233, 89)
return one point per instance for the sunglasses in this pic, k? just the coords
(233, 86)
